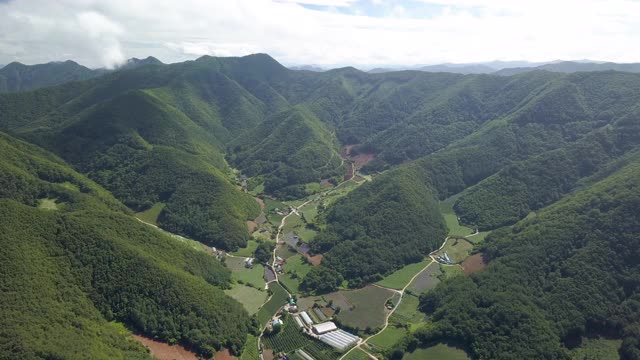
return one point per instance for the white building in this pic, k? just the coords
(325, 327)
(306, 318)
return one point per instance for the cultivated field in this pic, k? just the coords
(398, 279)
(427, 280)
(239, 273)
(367, 307)
(450, 217)
(407, 312)
(389, 337)
(295, 269)
(246, 251)
(457, 248)
(249, 297)
(357, 354)
(439, 351)
(473, 263)
(277, 301)
(250, 349)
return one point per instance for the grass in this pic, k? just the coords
(48, 204)
(367, 307)
(457, 248)
(357, 354)
(398, 280)
(284, 251)
(450, 271)
(254, 276)
(476, 239)
(277, 301)
(310, 212)
(439, 351)
(250, 349)
(601, 349)
(294, 223)
(389, 337)
(252, 245)
(294, 265)
(450, 217)
(252, 299)
(306, 234)
(151, 214)
(407, 312)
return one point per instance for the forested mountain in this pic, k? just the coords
(570, 271)
(572, 66)
(558, 148)
(74, 261)
(20, 77)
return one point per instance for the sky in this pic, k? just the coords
(323, 32)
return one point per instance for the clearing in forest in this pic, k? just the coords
(151, 214)
(251, 298)
(474, 263)
(458, 249)
(438, 351)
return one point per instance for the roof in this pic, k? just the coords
(324, 327)
(339, 339)
(306, 318)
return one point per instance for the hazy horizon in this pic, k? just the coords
(328, 33)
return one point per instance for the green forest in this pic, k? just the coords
(546, 161)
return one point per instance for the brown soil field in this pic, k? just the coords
(474, 263)
(223, 354)
(362, 159)
(268, 355)
(314, 260)
(326, 183)
(261, 202)
(252, 226)
(348, 172)
(163, 351)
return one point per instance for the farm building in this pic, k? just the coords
(339, 339)
(306, 318)
(303, 354)
(300, 324)
(325, 327)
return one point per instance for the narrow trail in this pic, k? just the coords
(401, 292)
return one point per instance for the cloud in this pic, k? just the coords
(103, 33)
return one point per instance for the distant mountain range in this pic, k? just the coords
(20, 77)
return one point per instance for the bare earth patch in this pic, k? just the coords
(252, 226)
(223, 354)
(261, 202)
(474, 263)
(163, 351)
(314, 260)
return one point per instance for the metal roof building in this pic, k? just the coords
(306, 318)
(325, 327)
(339, 339)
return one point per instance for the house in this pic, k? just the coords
(324, 328)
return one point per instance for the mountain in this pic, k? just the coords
(572, 66)
(19, 77)
(307, 68)
(546, 160)
(458, 68)
(76, 266)
(135, 62)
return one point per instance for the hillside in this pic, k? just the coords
(75, 265)
(19, 77)
(534, 292)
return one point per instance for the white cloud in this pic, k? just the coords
(102, 33)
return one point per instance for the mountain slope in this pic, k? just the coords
(19, 77)
(77, 257)
(534, 292)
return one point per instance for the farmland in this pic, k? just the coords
(278, 299)
(367, 307)
(246, 251)
(439, 351)
(250, 349)
(450, 217)
(389, 337)
(253, 276)
(295, 269)
(290, 338)
(249, 297)
(357, 354)
(427, 280)
(407, 312)
(398, 279)
(457, 248)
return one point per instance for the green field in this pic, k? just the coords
(367, 307)
(400, 278)
(407, 312)
(294, 265)
(479, 237)
(250, 349)
(357, 354)
(246, 251)
(151, 214)
(389, 337)
(285, 252)
(48, 204)
(601, 349)
(310, 212)
(277, 301)
(450, 271)
(254, 276)
(249, 297)
(439, 351)
(291, 338)
(450, 217)
(458, 249)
